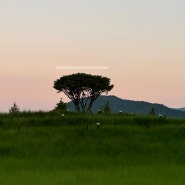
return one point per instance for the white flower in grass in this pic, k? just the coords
(97, 124)
(62, 115)
(160, 115)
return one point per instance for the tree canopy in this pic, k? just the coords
(83, 89)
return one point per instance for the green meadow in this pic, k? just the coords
(50, 149)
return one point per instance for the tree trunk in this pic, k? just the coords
(90, 106)
(77, 108)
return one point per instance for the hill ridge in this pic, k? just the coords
(131, 106)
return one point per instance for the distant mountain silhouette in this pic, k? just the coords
(130, 106)
(182, 109)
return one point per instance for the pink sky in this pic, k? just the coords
(142, 46)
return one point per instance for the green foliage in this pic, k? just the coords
(83, 89)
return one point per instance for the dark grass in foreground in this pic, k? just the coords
(122, 151)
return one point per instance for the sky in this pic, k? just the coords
(139, 45)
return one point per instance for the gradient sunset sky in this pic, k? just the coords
(142, 42)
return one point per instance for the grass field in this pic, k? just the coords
(46, 149)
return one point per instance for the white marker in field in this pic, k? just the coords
(98, 125)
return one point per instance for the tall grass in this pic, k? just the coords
(56, 118)
(51, 149)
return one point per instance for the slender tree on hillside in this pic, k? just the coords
(83, 89)
(152, 112)
(14, 108)
(61, 106)
(107, 109)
